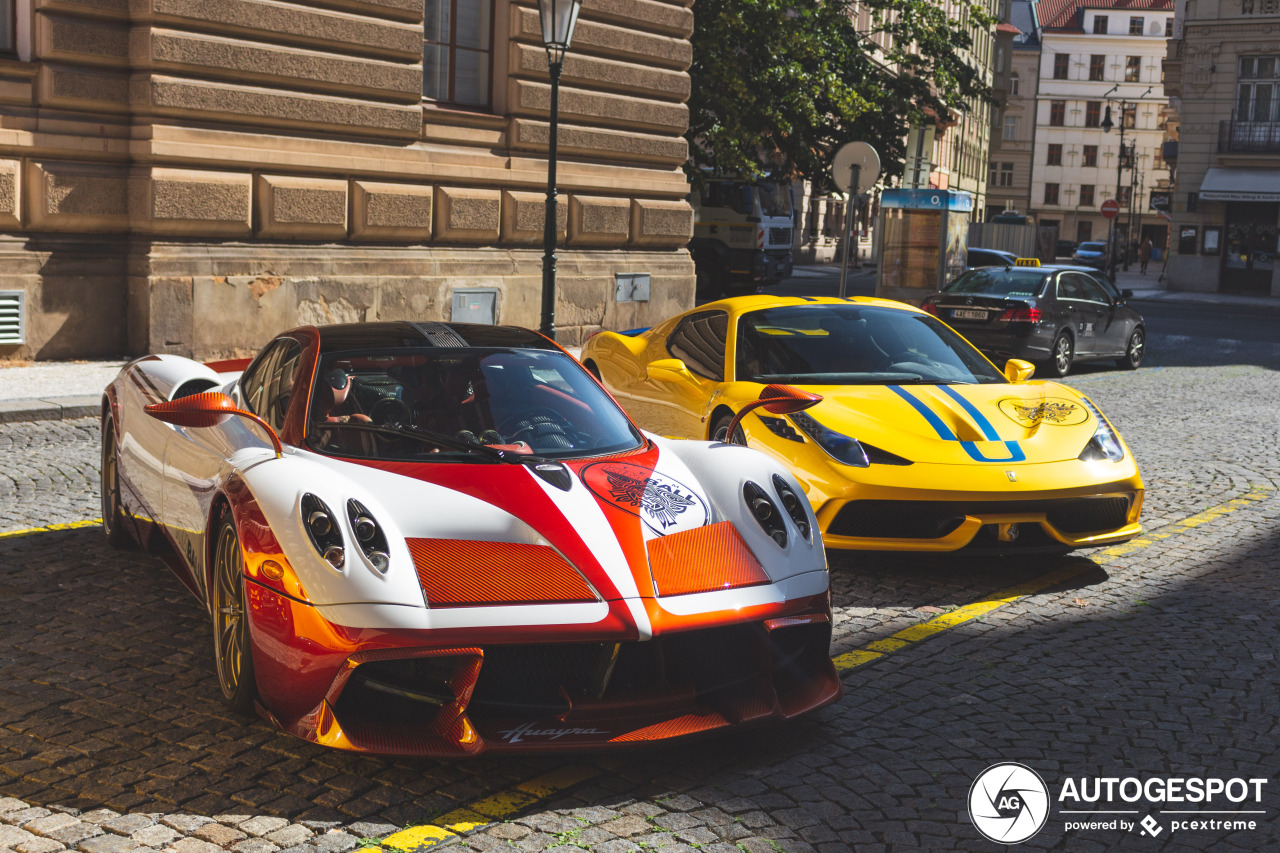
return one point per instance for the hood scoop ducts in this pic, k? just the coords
(554, 473)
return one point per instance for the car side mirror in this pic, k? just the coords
(668, 370)
(778, 400)
(210, 409)
(1016, 370)
(1126, 294)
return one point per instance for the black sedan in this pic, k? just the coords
(1055, 315)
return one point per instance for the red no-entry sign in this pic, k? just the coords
(1110, 208)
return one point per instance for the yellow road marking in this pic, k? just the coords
(876, 650)
(70, 525)
(487, 809)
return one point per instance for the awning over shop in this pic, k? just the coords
(1224, 184)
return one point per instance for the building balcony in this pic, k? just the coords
(1248, 137)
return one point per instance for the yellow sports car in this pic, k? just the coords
(919, 442)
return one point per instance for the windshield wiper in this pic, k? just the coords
(441, 439)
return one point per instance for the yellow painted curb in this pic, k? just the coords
(70, 525)
(489, 809)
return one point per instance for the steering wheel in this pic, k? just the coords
(390, 410)
(541, 427)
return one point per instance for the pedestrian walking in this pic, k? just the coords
(1144, 254)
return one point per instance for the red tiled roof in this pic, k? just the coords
(1066, 14)
(1006, 27)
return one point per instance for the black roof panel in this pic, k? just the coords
(398, 333)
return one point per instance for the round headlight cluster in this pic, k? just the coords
(369, 535)
(791, 502)
(322, 530)
(765, 512)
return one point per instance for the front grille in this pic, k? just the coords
(935, 519)
(780, 236)
(718, 668)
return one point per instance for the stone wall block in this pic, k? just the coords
(598, 108)
(77, 196)
(305, 26)
(82, 41)
(259, 107)
(82, 88)
(391, 211)
(468, 215)
(597, 221)
(311, 208)
(10, 194)
(629, 146)
(642, 14)
(524, 217)
(288, 66)
(97, 8)
(595, 72)
(194, 203)
(661, 223)
(590, 37)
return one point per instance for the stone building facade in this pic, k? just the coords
(1098, 55)
(1013, 128)
(1223, 75)
(192, 176)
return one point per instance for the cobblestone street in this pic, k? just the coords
(1156, 660)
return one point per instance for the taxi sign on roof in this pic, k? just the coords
(1027, 262)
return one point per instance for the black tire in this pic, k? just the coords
(113, 523)
(1134, 350)
(232, 653)
(1061, 355)
(720, 430)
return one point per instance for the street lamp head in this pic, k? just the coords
(1107, 123)
(559, 17)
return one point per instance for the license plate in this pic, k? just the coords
(968, 314)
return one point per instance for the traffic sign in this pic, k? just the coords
(858, 154)
(1111, 208)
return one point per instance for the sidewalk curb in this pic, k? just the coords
(50, 409)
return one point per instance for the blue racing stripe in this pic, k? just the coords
(985, 425)
(944, 432)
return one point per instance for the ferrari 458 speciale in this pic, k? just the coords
(919, 442)
(437, 539)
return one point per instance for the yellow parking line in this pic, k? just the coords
(876, 650)
(486, 810)
(70, 525)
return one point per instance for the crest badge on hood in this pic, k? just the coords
(1050, 410)
(664, 504)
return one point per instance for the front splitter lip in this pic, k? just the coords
(1130, 487)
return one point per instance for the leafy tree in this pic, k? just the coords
(778, 85)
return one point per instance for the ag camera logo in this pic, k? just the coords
(1008, 802)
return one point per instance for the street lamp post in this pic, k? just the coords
(558, 19)
(1107, 124)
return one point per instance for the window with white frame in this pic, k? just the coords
(1256, 94)
(1010, 128)
(457, 51)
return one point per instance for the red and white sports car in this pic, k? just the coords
(438, 539)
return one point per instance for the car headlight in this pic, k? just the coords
(1105, 444)
(323, 531)
(837, 445)
(369, 536)
(765, 512)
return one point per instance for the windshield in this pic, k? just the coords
(1092, 247)
(775, 199)
(1000, 282)
(854, 345)
(435, 404)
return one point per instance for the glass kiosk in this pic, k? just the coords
(923, 238)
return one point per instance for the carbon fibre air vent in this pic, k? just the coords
(440, 335)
